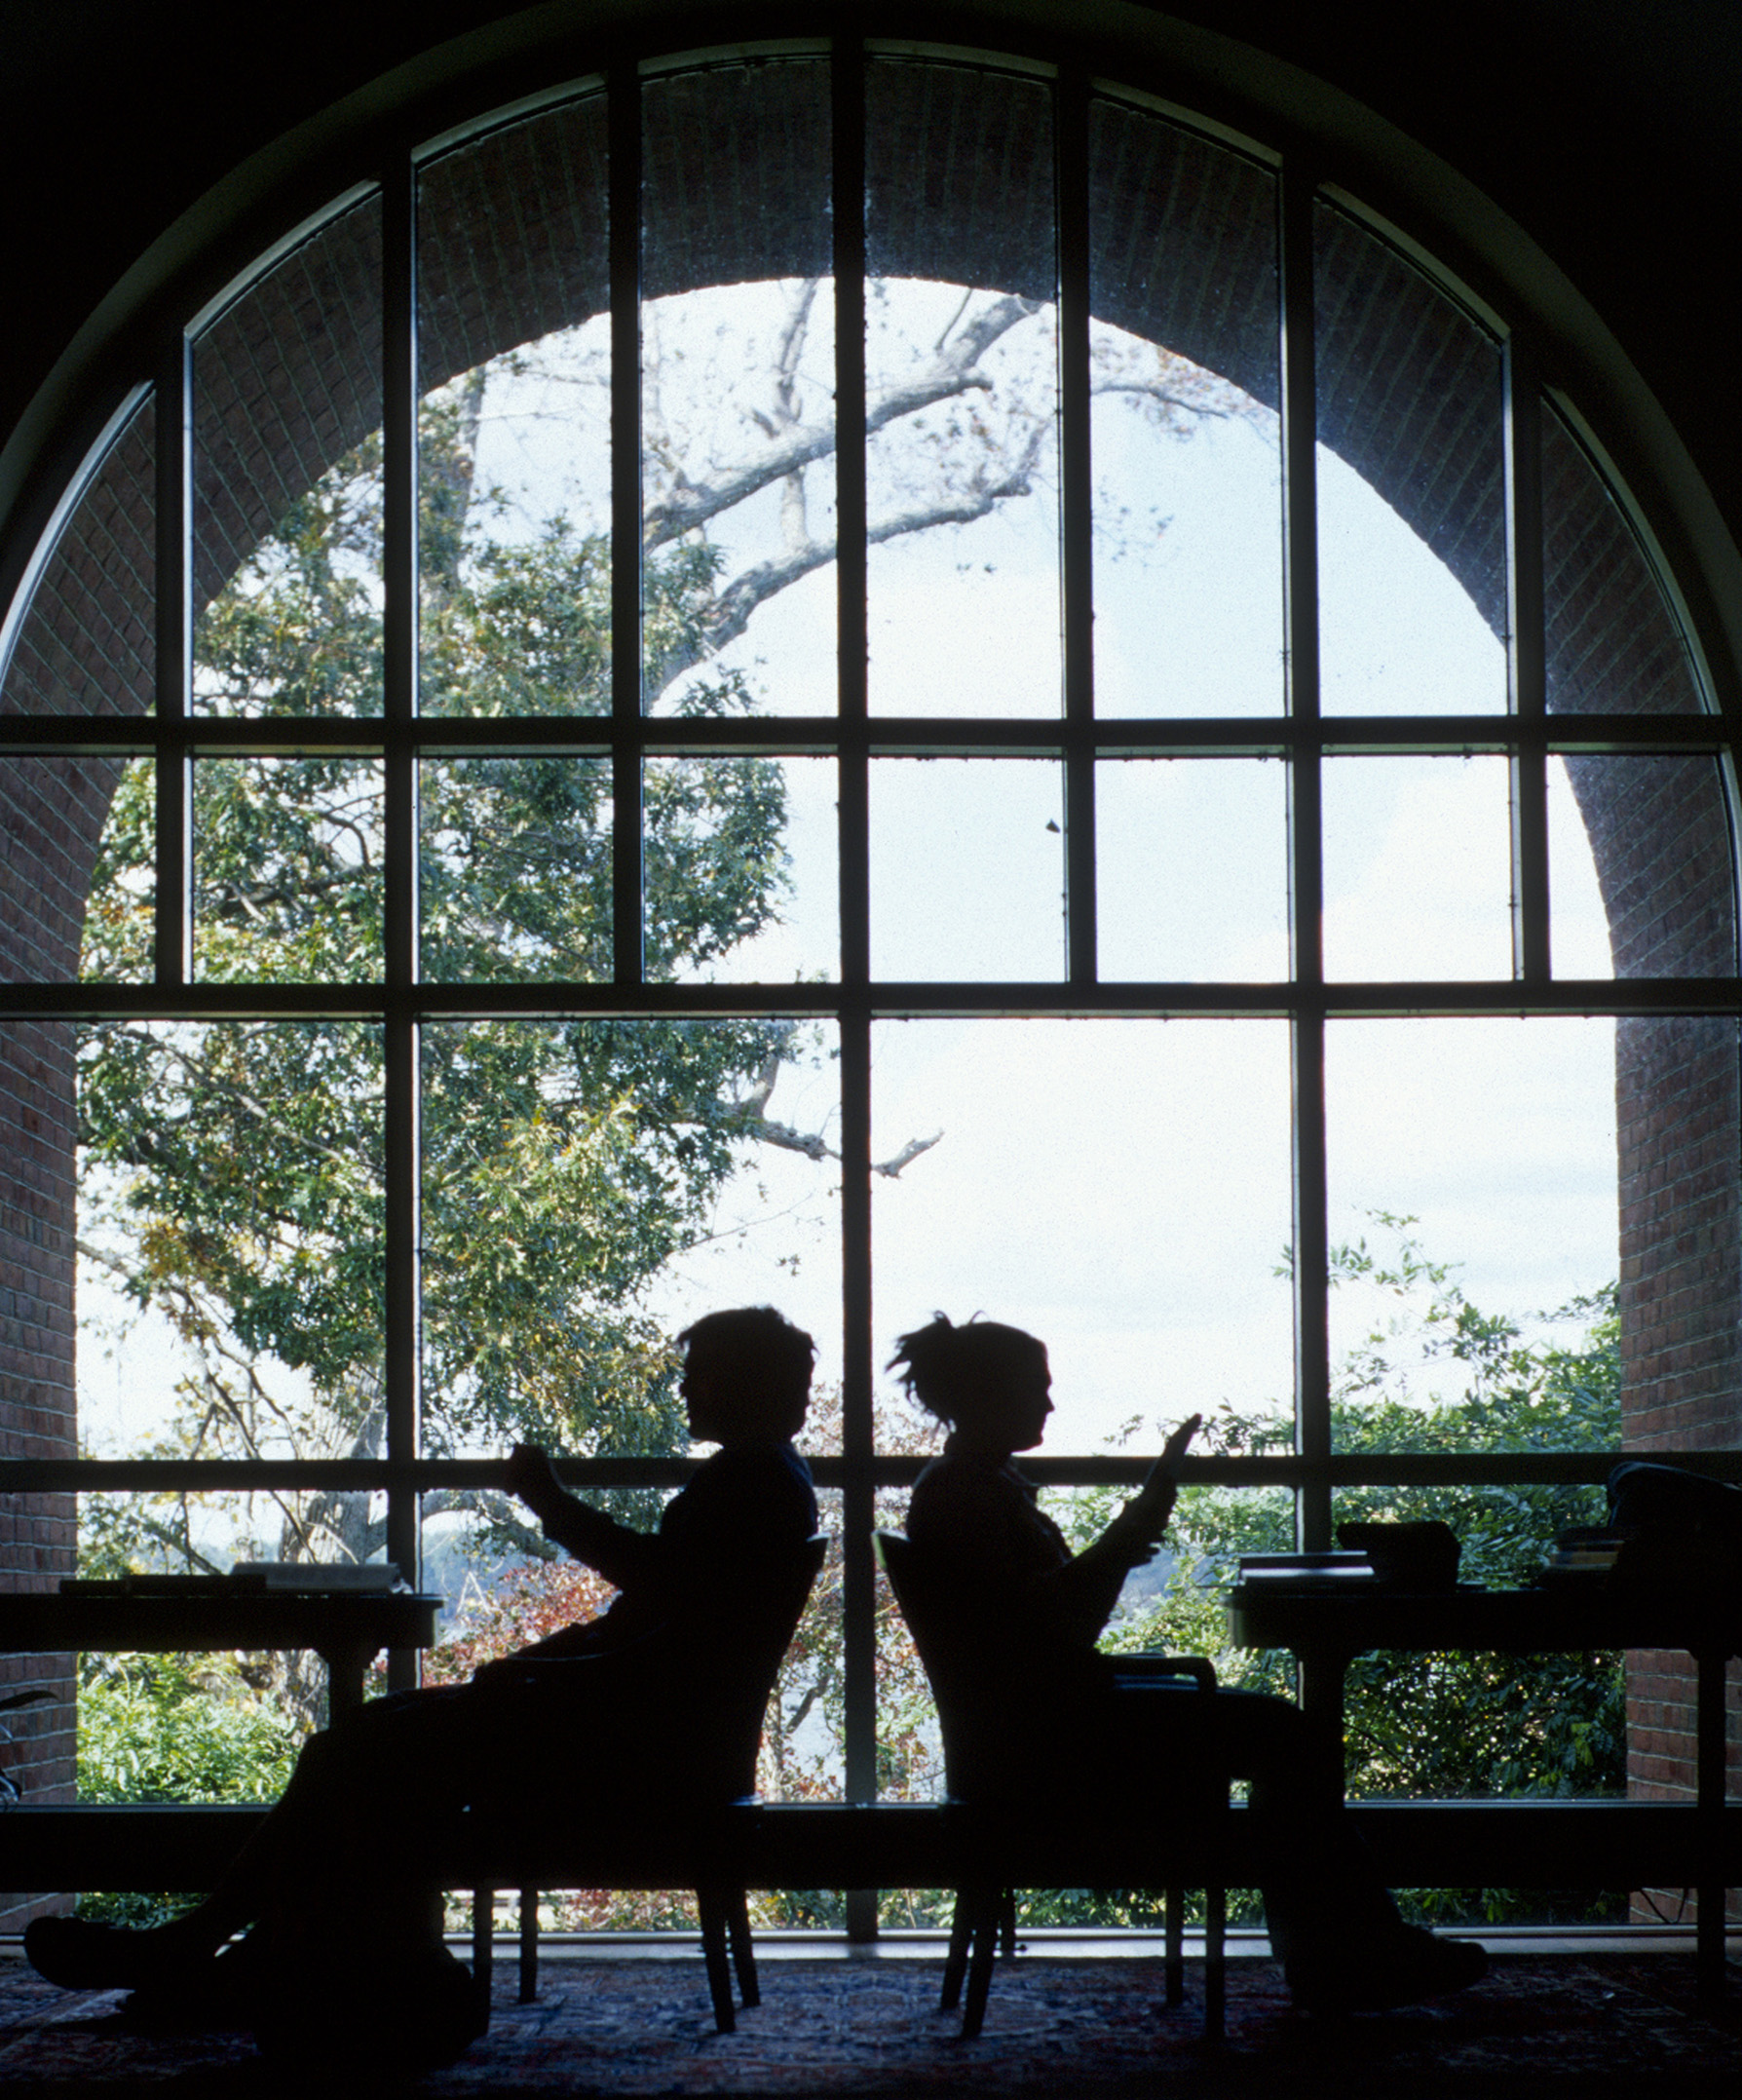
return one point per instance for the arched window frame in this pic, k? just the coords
(1308, 168)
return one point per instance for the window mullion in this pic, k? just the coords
(1526, 662)
(1075, 523)
(1299, 516)
(859, 1581)
(175, 662)
(624, 121)
(400, 876)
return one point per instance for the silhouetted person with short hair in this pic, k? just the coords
(1074, 1723)
(598, 1718)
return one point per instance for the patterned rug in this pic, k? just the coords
(1085, 2029)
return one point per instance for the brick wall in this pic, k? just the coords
(85, 647)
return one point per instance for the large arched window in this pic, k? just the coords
(879, 681)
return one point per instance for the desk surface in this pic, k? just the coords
(43, 1622)
(1357, 1617)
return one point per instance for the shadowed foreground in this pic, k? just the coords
(1092, 2028)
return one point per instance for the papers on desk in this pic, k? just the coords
(251, 1578)
(1307, 1571)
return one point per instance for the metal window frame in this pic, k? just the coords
(1301, 738)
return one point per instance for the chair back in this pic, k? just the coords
(732, 1669)
(998, 1737)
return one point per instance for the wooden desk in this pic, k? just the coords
(346, 1631)
(1327, 1626)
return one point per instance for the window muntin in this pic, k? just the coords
(1134, 723)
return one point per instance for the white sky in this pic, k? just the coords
(1119, 1187)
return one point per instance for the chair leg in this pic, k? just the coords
(1007, 1925)
(714, 1905)
(988, 1905)
(955, 1961)
(744, 1947)
(483, 1936)
(1174, 1905)
(529, 1945)
(1215, 1965)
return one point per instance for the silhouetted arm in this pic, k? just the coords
(622, 1557)
(1081, 1594)
(1077, 1599)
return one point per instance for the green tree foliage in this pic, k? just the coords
(1430, 1372)
(243, 1162)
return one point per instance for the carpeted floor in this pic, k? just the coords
(1085, 2029)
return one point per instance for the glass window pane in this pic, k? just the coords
(1613, 645)
(738, 328)
(1418, 868)
(966, 868)
(743, 859)
(87, 645)
(962, 394)
(1188, 513)
(1409, 429)
(516, 868)
(1191, 873)
(230, 1225)
(1577, 917)
(1144, 1244)
(1654, 831)
(590, 1188)
(1471, 1173)
(287, 875)
(287, 490)
(77, 873)
(513, 421)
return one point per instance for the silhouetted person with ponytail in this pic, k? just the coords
(1094, 1726)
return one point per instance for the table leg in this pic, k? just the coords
(1321, 1674)
(1709, 1793)
(346, 1665)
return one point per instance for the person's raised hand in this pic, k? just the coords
(1150, 1507)
(529, 1475)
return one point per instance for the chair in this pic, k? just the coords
(984, 1710)
(719, 1706)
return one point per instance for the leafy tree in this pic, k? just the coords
(234, 1171)
(1422, 1724)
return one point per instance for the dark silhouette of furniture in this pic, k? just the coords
(987, 1719)
(347, 1629)
(1327, 1626)
(713, 1717)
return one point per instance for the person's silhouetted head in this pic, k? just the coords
(746, 1375)
(988, 1382)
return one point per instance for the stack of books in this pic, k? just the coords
(1583, 1553)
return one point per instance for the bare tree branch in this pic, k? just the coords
(813, 1144)
(952, 369)
(731, 611)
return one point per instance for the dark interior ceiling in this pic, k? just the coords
(1610, 129)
